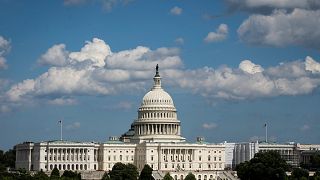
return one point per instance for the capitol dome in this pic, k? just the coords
(157, 97)
(157, 116)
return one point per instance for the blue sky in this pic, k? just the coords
(230, 66)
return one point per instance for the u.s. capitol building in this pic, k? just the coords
(154, 139)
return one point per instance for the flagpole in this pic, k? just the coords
(266, 127)
(60, 130)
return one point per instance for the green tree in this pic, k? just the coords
(316, 175)
(105, 176)
(55, 174)
(131, 172)
(190, 176)
(298, 174)
(315, 161)
(117, 171)
(264, 166)
(7, 159)
(71, 175)
(40, 176)
(167, 177)
(146, 173)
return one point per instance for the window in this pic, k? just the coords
(151, 158)
(219, 158)
(209, 158)
(165, 165)
(120, 157)
(199, 165)
(109, 158)
(199, 158)
(45, 157)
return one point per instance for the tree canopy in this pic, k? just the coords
(190, 176)
(7, 159)
(299, 173)
(121, 171)
(167, 177)
(55, 174)
(264, 166)
(146, 173)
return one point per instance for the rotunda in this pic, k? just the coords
(157, 116)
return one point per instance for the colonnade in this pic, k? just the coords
(151, 115)
(178, 155)
(163, 129)
(68, 154)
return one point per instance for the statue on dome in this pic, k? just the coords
(157, 68)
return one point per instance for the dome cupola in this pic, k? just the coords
(157, 116)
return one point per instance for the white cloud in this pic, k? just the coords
(267, 6)
(179, 41)
(312, 65)
(95, 51)
(249, 67)
(96, 71)
(226, 83)
(73, 126)
(220, 34)
(62, 101)
(3, 64)
(123, 105)
(107, 5)
(210, 125)
(56, 55)
(93, 71)
(176, 10)
(299, 27)
(5, 47)
(305, 127)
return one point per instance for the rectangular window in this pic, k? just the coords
(45, 157)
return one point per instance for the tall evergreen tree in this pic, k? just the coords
(190, 176)
(167, 177)
(55, 174)
(146, 173)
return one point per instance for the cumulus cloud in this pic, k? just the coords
(56, 55)
(249, 67)
(210, 125)
(62, 101)
(92, 71)
(176, 10)
(220, 34)
(291, 78)
(73, 126)
(107, 5)
(299, 27)
(179, 41)
(97, 71)
(267, 6)
(4, 49)
(123, 105)
(95, 51)
(305, 127)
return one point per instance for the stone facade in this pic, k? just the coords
(154, 138)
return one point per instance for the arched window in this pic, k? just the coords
(85, 167)
(199, 177)
(175, 177)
